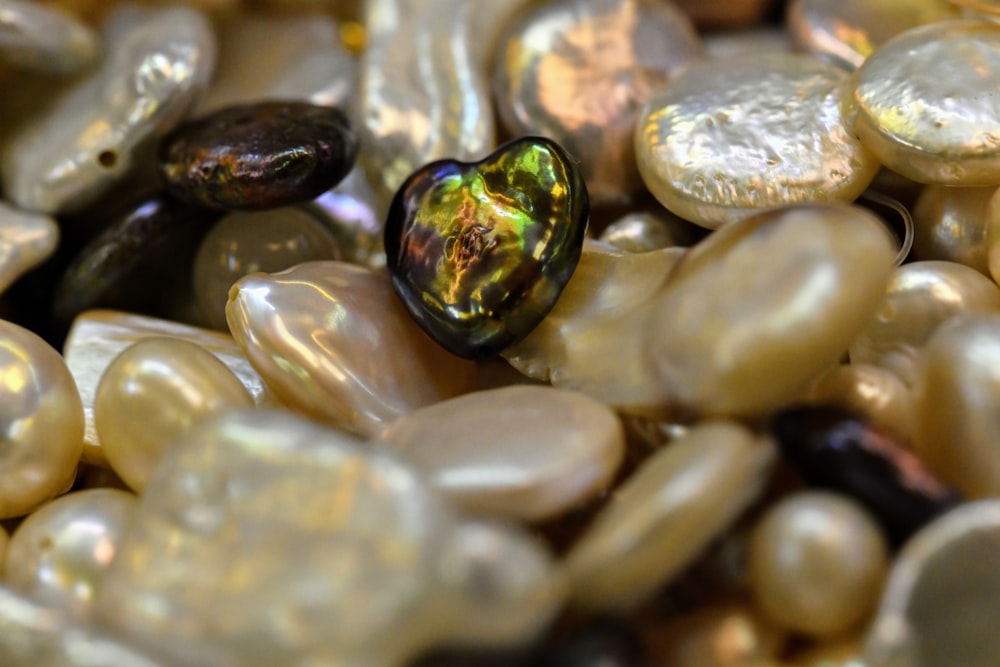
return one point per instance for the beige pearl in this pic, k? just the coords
(666, 513)
(646, 231)
(333, 340)
(40, 37)
(950, 224)
(751, 42)
(60, 553)
(817, 562)
(761, 307)
(151, 394)
(877, 394)
(26, 240)
(992, 236)
(920, 298)
(522, 452)
(41, 422)
(957, 393)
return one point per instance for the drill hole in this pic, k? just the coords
(107, 159)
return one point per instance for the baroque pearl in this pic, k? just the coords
(60, 553)
(479, 252)
(876, 393)
(950, 224)
(524, 452)
(645, 231)
(666, 513)
(44, 38)
(579, 71)
(151, 394)
(817, 563)
(26, 240)
(949, 138)
(333, 341)
(42, 422)
(767, 131)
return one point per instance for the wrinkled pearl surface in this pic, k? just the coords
(26, 240)
(848, 31)
(950, 224)
(98, 336)
(957, 390)
(60, 553)
(754, 312)
(248, 242)
(579, 71)
(724, 635)
(340, 549)
(666, 513)
(524, 452)
(876, 393)
(918, 103)
(333, 341)
(90, 138)
(41, 422)
(940, 603)
(817, 563)
(479, 252)
(43, 38)
(153, 393)
(921, 297)
(733, 136)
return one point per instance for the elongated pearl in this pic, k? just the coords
(950, 224)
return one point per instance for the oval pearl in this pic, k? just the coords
(249, 242)
(154, 392)
(767, 131)
(950, 224)
(45, 38)
(957, 391)
(333, 341)
(921, 297)
(759, 308)
(949, 137)
(523, 452)
(479, 252)
(666, 513)
(817, 563)
(26, 240)
(579, 71)
(60, 553)
(41, 424)
(875, 393)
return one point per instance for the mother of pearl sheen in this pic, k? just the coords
(579, 72)
(524, 452)
(41, 422)
(919, 103)
(266, 539)
(921, 297)
(957, 394)
(816, 563)
(941, 602)
(152, 394)
(42, 38)
(950, 224)
(732, 136)
(759, 308)
(666, 513)
(877, 394)
(59, 554)
(92, 136)
(26, 240)
(333, 341)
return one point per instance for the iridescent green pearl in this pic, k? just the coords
(479, 252)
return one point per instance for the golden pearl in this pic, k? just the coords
(949, 224)
(877, 394)
(723, 635)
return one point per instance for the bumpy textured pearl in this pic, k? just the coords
(523, 452)
(307, 546)
(333, 341)
(153, 393)
(26, 240)
(918, 103)
(876, 393)
(724, 635)
(758, 309)
(950, 224)
(59, 554)
(666, 513)
(156, 68)
(41, 424)
(817, 563)
(579, 71)
(730, 137)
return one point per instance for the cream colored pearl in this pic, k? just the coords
(722, 635)
(26, 240)
(817, 563)
(39, 37)
(876, 393)
(60, 553)
(41, 422)
(154, 392)
(950, 224)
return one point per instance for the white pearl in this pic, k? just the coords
(26, 240)
(44, 38)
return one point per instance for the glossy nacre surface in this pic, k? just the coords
(479, 252)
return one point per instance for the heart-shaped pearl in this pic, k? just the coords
(479, 252)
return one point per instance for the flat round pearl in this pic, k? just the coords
(876, 393)
(153, 392)
(950, 224)
(918, 103)
(817, 563)
(731, 137)
(59, 554)
(41, 424)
